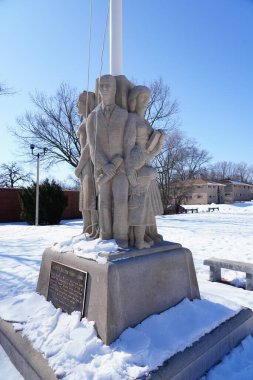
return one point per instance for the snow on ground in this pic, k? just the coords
(226, 233)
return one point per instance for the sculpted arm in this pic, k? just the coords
(85, 156)
(157, 149)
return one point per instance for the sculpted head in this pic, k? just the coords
(86, 101)
(107, 89)
(138, 99)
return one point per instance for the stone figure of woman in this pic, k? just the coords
(141, 143)
(85, 171)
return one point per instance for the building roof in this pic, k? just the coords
(215, 184)
(236, 182)
(192, 182)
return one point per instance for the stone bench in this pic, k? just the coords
(213, 208)
(217, 264)
(192, 210)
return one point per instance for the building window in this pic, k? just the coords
(200, 196)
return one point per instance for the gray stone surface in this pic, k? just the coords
(216, 265)
(29, 362)
(131, 286)
(196, 360)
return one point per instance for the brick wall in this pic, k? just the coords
(72, 210)
(10, 208)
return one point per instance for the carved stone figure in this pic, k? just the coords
(105, 131)
(85, 170)
(114, 167)
(142, 143)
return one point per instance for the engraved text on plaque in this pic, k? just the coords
(67, 286)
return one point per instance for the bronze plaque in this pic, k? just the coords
(67, 287)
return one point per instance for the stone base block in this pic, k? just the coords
(29, 362)
(195, 361)
(131, 285)
(190, 364)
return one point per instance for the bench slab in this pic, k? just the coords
(216, 265)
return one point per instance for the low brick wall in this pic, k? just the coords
(72, 209)
(10, 208)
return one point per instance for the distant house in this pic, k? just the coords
(237, 191)
(198, 191)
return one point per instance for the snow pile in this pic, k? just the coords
(237, 365)
(89, 249)
(74, 351)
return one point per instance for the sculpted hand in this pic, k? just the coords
(109, 169)
(132, 178)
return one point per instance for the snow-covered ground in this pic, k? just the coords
(226, 233)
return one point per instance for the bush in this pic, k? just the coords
(52, 202)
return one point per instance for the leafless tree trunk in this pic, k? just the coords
(11, 175)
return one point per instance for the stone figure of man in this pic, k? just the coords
(105, 132)
(85, 170)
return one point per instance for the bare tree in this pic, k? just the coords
(229, 170)
(11, 175)
(162, 111)
(180, 159)
(244, 172)
(52, 125)
(193, 162)
(179, 192)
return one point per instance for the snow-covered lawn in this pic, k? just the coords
(226, 233)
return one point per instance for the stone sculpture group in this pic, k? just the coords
(119, 196)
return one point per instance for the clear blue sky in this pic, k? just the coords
(202, 48)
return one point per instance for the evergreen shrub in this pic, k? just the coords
(52, 202)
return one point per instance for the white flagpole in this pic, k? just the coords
(116, 37)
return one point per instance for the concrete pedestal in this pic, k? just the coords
(28, 361)
(131, 286)
(124, 291)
